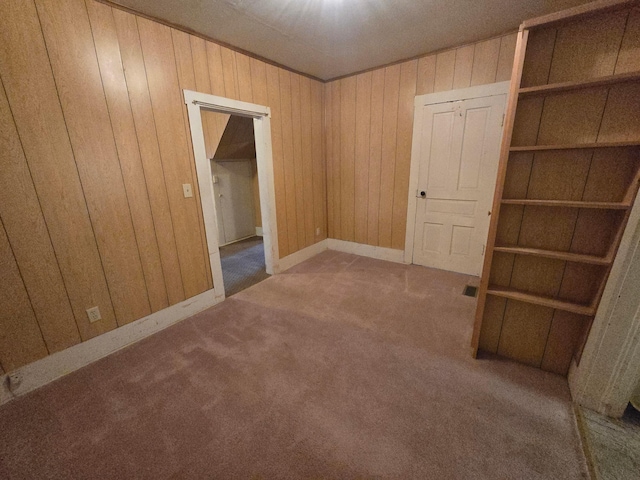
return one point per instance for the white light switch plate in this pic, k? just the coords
(188, 191)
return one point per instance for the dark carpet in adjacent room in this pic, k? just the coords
(242, 264)
(344, 367)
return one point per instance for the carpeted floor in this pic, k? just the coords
(343, 367)
(242, 264)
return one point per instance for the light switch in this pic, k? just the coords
(94, 314)
(215, 178)
(188, 191)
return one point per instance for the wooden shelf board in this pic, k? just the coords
(566, 203)
(566, 256)
(573, 146)
(541, 300)
(578, 85)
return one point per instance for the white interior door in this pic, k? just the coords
(458, 161)
(233, 191)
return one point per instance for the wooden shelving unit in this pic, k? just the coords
(568, 86)
(541, 300)
(555, 254)
(574, 146)
(566, 203)
(568, 177)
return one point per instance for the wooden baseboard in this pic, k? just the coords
(43, 371)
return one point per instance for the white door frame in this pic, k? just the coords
(492, 89)
(264, 158)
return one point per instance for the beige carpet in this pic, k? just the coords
(344, 367)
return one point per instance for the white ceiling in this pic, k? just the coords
(331, 38)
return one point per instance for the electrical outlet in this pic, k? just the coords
(15, 379)
(94, 314)
(318, 231)
(187, 190)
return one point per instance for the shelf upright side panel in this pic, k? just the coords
(516, 77)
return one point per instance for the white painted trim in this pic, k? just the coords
(259, 231)
(301, 255)
(264, 159)
(381, 253)
(54, 366)
(610, 367)
(225, 105)
(481, 91)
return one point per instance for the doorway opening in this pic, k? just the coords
(230, 144)
(234, 164)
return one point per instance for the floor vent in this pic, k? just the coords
(470, 291)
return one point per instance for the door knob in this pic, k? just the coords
(423, 194)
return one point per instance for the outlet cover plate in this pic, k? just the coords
(94, 314)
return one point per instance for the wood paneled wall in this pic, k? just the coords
(369, 126)
(94, 149)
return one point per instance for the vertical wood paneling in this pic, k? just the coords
(307, 160)
(320, 197)
(375, 149)
(485, 62)
(408, 75)
(140, 101)
(296, 136)
(20, 338)
(426, 75)
(216, 80)
(336, 133)
(273, 92)
(598, 37)
(463, 66)
(505, 59)
(201, 71)
(524, 332)
(259, 82)
(347, 156)
(368, 164)
(19, 205)
(200, 63)
(167, 105)
(216, 77)
(243, 69)
(115, 88)
(25, 69)
(328, 124)
(95, 148)
(187, 81)
(88, 123)
(288, 159)
(229, 75)
(445, 67)
(629, 55)
(388, 162)
(362, 139)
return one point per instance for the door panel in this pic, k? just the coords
(459, 153)
(234, 192)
